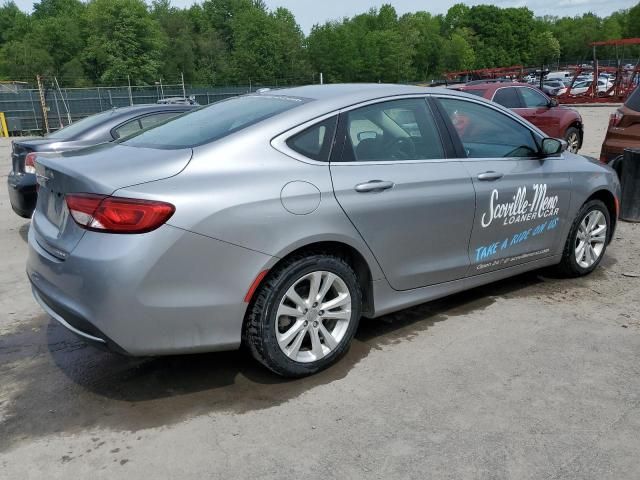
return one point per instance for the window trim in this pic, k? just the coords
(537, 134)
(341, 133)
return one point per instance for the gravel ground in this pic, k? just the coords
(530, 378)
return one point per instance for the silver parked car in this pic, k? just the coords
(278, 219)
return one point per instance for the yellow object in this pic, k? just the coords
(4, 131)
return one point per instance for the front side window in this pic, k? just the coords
(507, 97)
(533, 99)
(488, 133)
(315, 142)
(213, 122)
(394, 130)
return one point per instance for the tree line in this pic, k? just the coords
(220, 42)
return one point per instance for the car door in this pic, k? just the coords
(544, 115)
(411, 204)
(521, 199)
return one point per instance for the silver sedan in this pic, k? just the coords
(279, 219)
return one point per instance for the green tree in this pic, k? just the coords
(123, 40)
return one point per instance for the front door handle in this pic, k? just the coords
(490, 176)
(374, 186)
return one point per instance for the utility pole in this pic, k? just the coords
(321, 79)
(161, 89)
(43, 103)
(184, 92)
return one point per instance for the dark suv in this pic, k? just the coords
(624, 129)
(102, 127)
(533, 105)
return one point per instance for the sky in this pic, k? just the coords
(310, 12)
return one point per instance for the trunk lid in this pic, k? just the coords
(102, 170)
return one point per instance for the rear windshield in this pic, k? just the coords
(211, 123)
(633, 102)
(477, 92)
(76, 128)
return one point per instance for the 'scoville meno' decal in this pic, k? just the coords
(520, 209)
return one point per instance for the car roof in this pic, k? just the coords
(493, 86)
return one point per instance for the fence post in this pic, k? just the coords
(99, 98)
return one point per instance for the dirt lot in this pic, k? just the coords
(530, 378)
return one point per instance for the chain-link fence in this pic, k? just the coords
(23, 110)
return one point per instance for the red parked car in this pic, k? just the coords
(530, 103)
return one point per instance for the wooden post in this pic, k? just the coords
(43, 103)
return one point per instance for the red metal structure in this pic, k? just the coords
(515, 71)
(625, 80)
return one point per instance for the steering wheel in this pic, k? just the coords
(402, 148)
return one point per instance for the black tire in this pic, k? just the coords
(569, 135)
(569, 266)
(259, 333)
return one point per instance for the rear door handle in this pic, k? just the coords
(490, 176)
(374, 186)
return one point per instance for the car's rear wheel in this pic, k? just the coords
(303, 317)
(572, 136)
(587, 240)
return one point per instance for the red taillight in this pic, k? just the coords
(117, 215)
(615, 118)
(30, 163)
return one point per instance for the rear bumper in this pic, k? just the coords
(22, 193)
(165, 292)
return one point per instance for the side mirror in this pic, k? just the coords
(553, 102)
(553, 146)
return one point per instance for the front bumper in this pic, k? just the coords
(23, 193)
(165, 292)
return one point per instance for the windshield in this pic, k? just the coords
(213, 122)
(80, 126)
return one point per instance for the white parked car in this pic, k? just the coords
(582, 87)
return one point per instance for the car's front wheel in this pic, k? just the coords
(304, 315)
(572, 136)
(587, 240)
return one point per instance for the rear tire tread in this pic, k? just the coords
(253, 330)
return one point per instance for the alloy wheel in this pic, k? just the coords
(573, 139)
(591, 238)
(313, 316)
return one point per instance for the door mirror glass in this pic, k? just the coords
(552, 146)
(553, 103)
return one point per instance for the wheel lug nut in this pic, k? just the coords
(315, 324)
(306, 323)
(306, 310)
(321, 312)
(315, 304)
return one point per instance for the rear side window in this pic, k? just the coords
(507, 97)
(149, 121)
(127, 129)
(315, 142)
(633, 102)
(214, 122)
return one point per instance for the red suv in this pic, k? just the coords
(536, 107)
